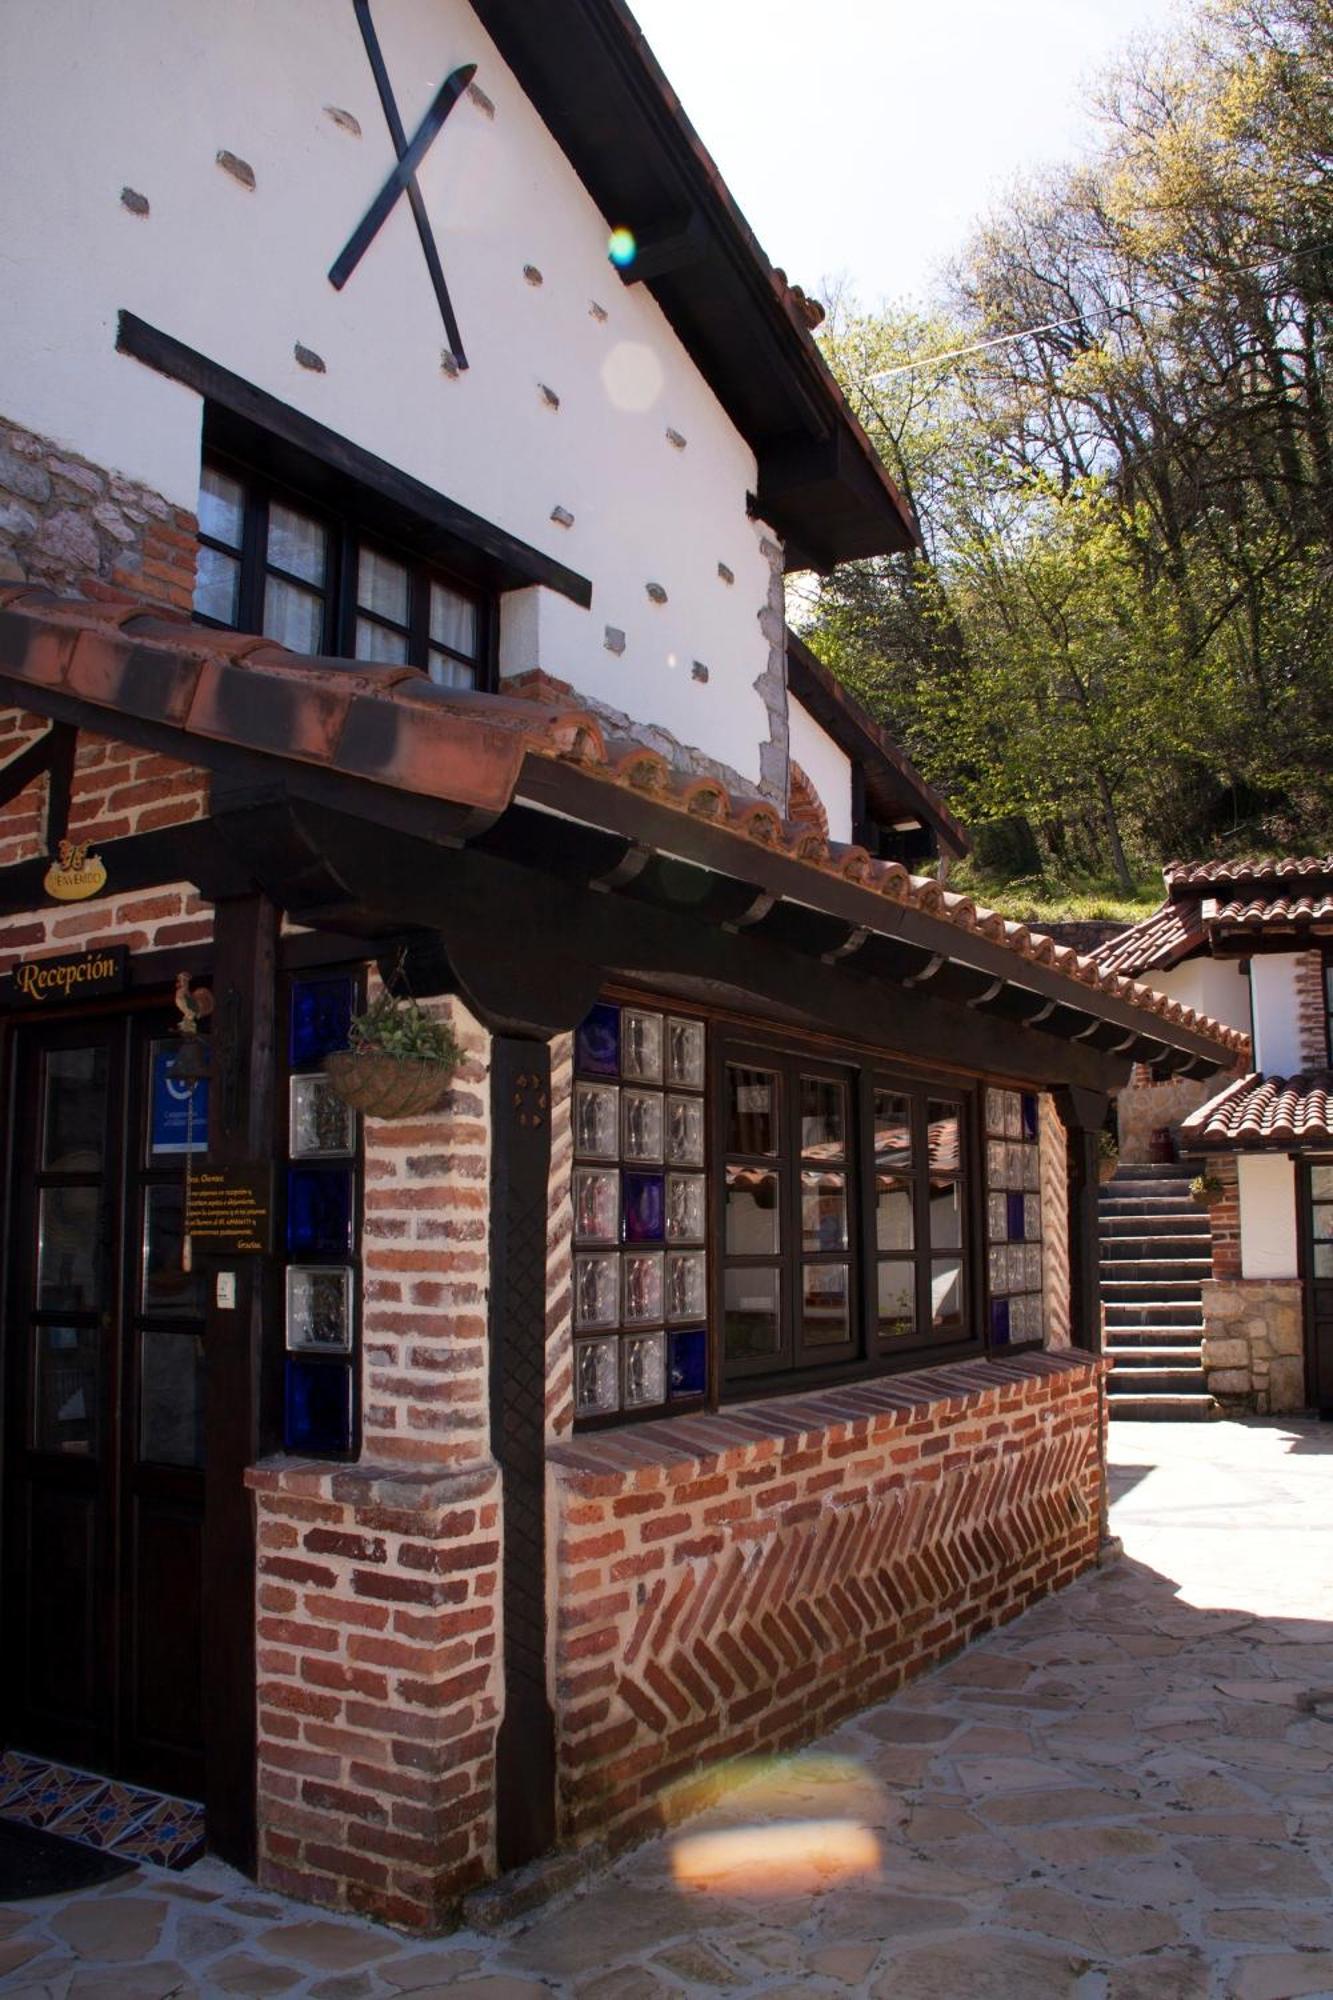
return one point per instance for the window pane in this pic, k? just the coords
(897, 1299)
(826, 1309)
(167, 1286)
(946, 1294)
(751, 1317)
(379, 642)
(1322, 1222)
(221, 506)
(1321, 1181)
(296, 543)
(752, 1111)
(823, 1118)
(894, 1228)
(68, 1385)
(752, 1212)
(217, 586)
(943, 1129)
(823, 1211)
(74, 1120)
(67, 1250)
(453, 620)
(447, 673)
(946, 1215)
(1323, 1260)
(893, 1129)
(381, 586)
(292, 616)
(171, 1399)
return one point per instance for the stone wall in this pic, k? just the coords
(1253, 1344)
(731, 1585)
(1142, 1106)
(64, 519)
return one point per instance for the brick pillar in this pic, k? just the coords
(1224, 1216)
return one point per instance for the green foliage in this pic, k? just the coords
(1055, 896)
(1206, 1189)
(401, 1027)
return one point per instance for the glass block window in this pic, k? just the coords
(640, 1202)
(1013, 1217)
(321, 1225)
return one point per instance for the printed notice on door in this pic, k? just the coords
(230, 1209)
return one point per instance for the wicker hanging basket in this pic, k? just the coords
(385, 1086)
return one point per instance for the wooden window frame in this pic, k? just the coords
(347, 535)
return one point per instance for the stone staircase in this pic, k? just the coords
(1156, 1250)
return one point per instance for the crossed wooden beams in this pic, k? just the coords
(53, 754)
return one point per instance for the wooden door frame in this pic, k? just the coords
(1304, 1266)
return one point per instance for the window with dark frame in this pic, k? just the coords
(321, 582)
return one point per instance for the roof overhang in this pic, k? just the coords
(588, 69)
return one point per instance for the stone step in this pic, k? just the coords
(1146, 1205)
(1160, 1259)
(1164, 1353)
(1125, 1321)
(1155, 1228)
(1157, 1382)
(1150, 1291)
(1172, 1335)
(1174, 1409)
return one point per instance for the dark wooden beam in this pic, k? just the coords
(29, 764)
(1083, 1114)
(60, 788)
(241, 1420)
(671, 245)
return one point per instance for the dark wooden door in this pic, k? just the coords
(1317, 1266)
(103, 1407)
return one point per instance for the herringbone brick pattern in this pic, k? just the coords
(740, 1598)
(1054, 1223)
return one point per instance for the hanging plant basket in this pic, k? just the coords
(385, 1086)
(399, 1062)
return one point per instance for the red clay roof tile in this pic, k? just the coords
(1266, 1111)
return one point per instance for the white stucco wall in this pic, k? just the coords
(1213, 986)
(828, 768)
(96, 95)
(1277, 1014)
(1267, 1216)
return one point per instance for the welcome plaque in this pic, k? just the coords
(229, 1210)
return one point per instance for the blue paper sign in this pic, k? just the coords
(175, 1127)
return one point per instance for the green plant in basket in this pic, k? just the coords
(1207, 1189)
(399, 1061)
(401, 1027)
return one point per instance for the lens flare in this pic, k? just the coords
(793, 1858)
(632, 377)
(621, 248)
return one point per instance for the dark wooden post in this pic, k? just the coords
(1083, 1113)
(241, 1409)
(520, 1167)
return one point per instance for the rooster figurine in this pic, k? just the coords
(192, 1004)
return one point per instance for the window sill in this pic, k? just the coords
(784, 1422)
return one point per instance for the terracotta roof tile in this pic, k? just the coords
(1266, 1111)
(1288, 868)
(1158, 942)
(1257, 913)
(391, 726)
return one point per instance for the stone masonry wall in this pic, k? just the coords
(1253, 1344)
(732, 1585)
(1142, 1106)
(378, 1599)
(63, 519)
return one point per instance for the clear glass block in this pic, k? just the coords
(995, 1112)
(641, 1123)
(642, 1288)
(685, 1053)
(217, 585)
(319, 1309)
(596, 1377)
(685, 1131)
(597, 1121)
(453, 620)
(997, 1162)
(686, 1285)
(686, 1208)
(596, 1291)
(596, 1205)
(640, 1046)
(997, 1267)
(322, 1126)
(1013, 1115)
(643, 1370)
(997, 1218)
(1032, 1266)
(380, 643)
(292, 616)
(296, 544)
(1032, 1217)
(1030, 1176)
(1014, 1168)
(1016, 1267)
(381, 586)
(221, 507)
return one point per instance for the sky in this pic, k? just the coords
(864, 138)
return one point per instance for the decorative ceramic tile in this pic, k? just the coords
(170, 1835)
(99, 1812)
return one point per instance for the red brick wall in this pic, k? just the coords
(378, 1684)
(1310, 1000)
(1224, 1216)
(733, 1585)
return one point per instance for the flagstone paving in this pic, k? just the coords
(1125, 1795)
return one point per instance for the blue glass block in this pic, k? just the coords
(999, 1322)
(687, 1367)
(1013, 1204)
(597, 1043)
(1029, 1114)
(321, 1017)
(319, 1408)
(319, 1212)
(643, 1208)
